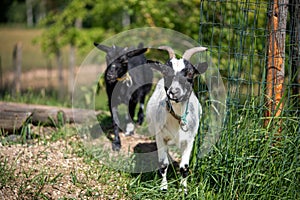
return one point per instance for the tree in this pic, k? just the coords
(102, 18)
(109, 17)
(61, 32)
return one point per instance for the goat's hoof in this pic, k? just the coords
(140, 122)
(129, 129)
(129, 133)
(116, 146)
(185, 191)
(140, 118)
(164, 190)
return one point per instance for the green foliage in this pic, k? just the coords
(100, 19)
(16, 12)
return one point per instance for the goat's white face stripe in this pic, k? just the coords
(177, 64)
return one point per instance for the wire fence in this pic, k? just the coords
(237, 34)
(255, 45)
(240, 36)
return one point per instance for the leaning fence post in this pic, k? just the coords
(275, 60)
(17, 62)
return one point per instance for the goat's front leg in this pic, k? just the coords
(163, 159)
(130, 118)
(141, 110)
(116, 144)
(186, 149)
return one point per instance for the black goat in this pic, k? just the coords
(125, 85)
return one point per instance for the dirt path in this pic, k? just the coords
(52, 168)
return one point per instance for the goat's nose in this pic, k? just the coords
(174, 91)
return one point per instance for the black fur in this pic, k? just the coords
(120, 61)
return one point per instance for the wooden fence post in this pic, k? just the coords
(49, 74)
(275, 63)
(71, 69)
(17, 62)
(60, 75)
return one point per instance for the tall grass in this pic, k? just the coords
(251, 161)
(248, 162)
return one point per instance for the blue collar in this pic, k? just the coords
(181, 119)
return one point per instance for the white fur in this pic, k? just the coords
(178, 64)
(168, 130)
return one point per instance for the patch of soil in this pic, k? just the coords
(49, 168)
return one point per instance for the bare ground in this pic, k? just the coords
(49, 169)
(55, 170)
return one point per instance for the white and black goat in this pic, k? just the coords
(173, 111)
(124, 86)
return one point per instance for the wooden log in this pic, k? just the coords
(12, 121)
(276, 55)
(14, 115)
(48, 117)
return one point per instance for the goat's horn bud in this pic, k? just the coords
(188, 53)
(169, 49)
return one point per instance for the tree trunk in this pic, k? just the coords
(42, 10)
(125, 19)
(29, 13)
(276, 55)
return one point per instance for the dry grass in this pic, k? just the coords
(53, 168)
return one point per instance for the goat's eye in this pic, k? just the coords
(190, 75)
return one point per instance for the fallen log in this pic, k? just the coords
(14, 115)
(12, 121)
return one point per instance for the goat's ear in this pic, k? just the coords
(102, 47)
(201, 67)
(136, 52)
(141, 45)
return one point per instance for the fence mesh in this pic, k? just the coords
(236, 33)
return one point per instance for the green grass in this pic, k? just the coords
(244, 164)
(249, 161)
(30, 96)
